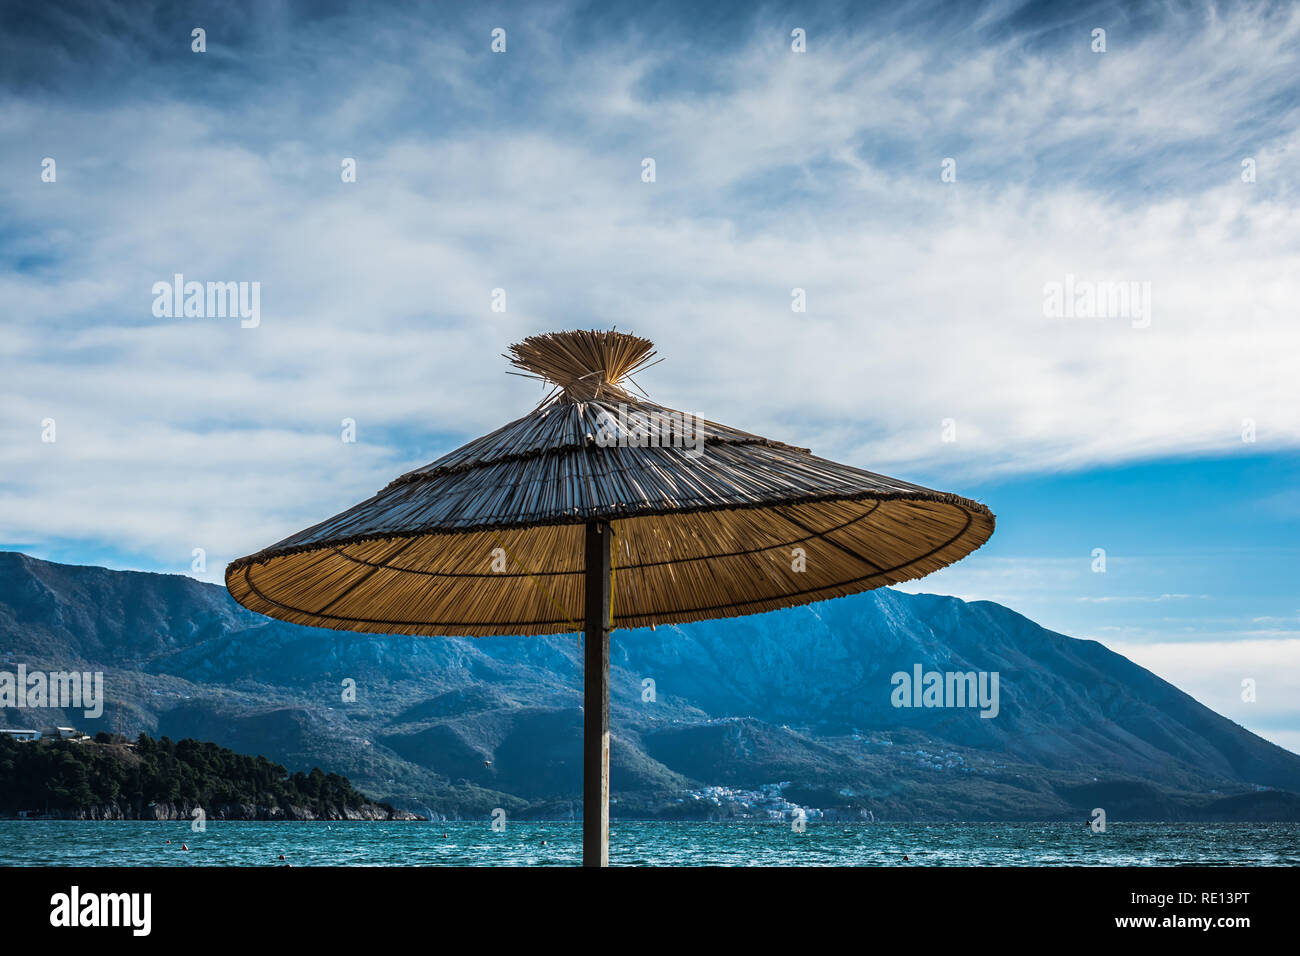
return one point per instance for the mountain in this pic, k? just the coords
(746, 716)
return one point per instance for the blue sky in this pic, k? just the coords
(775, 170)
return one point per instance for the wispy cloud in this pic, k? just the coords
(522, 171)
(1140, 598)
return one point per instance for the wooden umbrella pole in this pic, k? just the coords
(595, 696)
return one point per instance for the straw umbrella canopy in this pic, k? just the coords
(601, 509)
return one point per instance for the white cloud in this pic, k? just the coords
(1213, 673)
(818, 171)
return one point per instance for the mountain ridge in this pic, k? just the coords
(795, 701)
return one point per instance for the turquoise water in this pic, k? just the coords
(138, 843)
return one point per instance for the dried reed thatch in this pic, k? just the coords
(708, 521)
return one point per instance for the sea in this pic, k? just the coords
(151, 843)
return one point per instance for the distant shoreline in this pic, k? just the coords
(111, 778)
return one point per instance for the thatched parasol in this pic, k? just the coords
(597, 510)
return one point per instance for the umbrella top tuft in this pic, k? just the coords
(583, 364)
